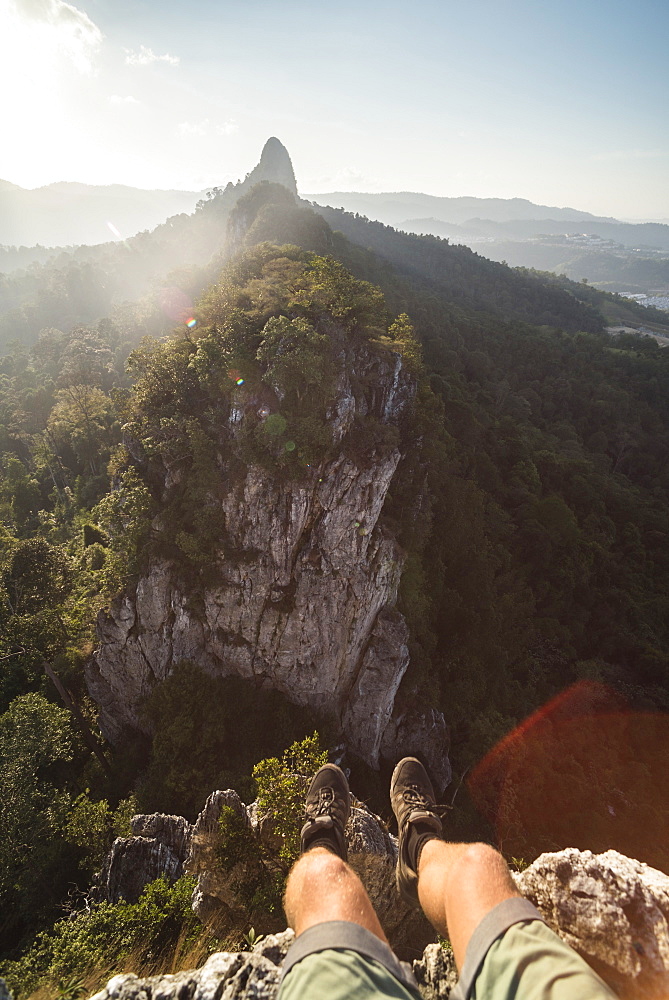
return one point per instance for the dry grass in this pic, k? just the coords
(187, 953)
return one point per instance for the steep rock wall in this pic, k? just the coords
(306, 605)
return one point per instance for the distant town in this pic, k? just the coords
(658, 301)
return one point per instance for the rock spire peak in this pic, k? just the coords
(274, 166)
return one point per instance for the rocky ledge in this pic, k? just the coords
(611, 909)
(614, 911)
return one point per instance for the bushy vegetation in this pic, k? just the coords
(282, 786)
(255, 871)
(158, 932)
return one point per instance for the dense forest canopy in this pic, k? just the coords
(538, 449)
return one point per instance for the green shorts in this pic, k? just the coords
(512, 954)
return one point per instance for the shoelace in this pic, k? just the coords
(326, 797)
(413, 796)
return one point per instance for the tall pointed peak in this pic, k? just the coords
(274, 166)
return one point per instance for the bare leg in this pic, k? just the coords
(322, 887)
(458, 884)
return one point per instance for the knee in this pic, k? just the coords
(319, 865)
(479, 860)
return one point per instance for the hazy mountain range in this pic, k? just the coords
(619, 256)
(69, 214)
(396, 208)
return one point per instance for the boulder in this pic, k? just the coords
(611, 909)
(172, 831)
(132, 863)
(159, 847)
(435, 972)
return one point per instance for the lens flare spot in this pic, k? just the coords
(191, 323)
(585, 769)
(290, 446)
(175, 304)
(239, 381)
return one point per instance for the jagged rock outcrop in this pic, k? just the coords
(424, 732)
(173, 831)
(436, 972)
(215, 887)
(245, 975)
(304, 599)
(613, 910)
(159, 846)
(132, 863)
(372, 854)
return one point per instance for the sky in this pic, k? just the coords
(565, 104)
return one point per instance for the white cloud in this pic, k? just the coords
(56, 24)
(145, 57)
(120, 101)
(193, 128)
(206, 128)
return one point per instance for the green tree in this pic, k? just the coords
(20, 495)
(296, 358)
(83, 420)
(282, 786)
(36, 738)
(36, 576)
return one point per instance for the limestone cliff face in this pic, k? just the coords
(306, 604)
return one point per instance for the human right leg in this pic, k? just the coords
(458, 885)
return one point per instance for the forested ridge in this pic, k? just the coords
(537, 457)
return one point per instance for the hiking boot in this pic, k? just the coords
(327, 808)
(412, 800)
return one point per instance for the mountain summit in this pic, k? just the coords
(275, 166)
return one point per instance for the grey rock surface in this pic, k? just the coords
(132, 863)
(173, 831)
(367, 834)
(304, 599)
(246, 975)
(159, 846)
(424, 734)
(435, 972)
(613, 910)
(215, 888)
